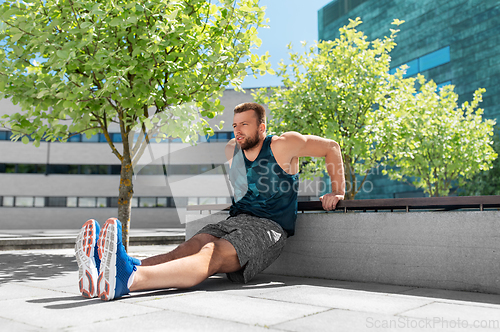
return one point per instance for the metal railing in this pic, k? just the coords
(406, 204)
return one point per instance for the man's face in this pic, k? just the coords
(246, 129)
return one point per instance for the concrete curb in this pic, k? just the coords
(24, 243)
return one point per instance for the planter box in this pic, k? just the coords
(457, 250)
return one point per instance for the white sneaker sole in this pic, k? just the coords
(107, 253)
(84, 252)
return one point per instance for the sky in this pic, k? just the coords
(289, 21)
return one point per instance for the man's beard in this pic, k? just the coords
(250, 142)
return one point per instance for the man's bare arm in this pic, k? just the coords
(296, 145)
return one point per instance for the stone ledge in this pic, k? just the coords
(455, 250)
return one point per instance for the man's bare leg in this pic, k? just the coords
(218, 256)
(188, 248)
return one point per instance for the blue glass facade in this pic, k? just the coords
(425, 62)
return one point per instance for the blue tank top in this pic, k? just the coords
(263, 189)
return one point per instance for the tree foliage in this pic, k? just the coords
(337, 89)
(78, 66)
(440, 145)
(486, 182)
(342, 90)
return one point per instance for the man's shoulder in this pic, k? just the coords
(288, 138)
(286, 146)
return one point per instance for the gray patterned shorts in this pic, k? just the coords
(258, 243)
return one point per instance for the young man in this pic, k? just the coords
(264, 174)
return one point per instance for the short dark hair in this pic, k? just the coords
(260, 111)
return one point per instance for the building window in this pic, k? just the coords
(10, 168)
(147, 201)
(21, 201)
(8, 201)
(208, 200)
(55, 201)
(62, 169)
(412, 69)
(75, 138)
(101, 202)
(110, 169)
(425, 62)
(93, 138)
(161, 202)
(434, 59)
(115, 169)
(86, 201)
(151, 170)
(221, 136)
(135, 202)
(93, 169)
(4, 135)
(72, 202)
(223, 200)
(30, 168)
(39, 201)
(180, 201)
(192, 201)
(116, 137)
(107, 202)
(112, 201)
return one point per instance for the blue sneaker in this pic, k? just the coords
(116, 265)
(87, 257)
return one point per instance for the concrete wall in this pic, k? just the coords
(447, 250)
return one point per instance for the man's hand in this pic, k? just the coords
(330, 201)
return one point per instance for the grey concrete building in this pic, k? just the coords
(451, 42)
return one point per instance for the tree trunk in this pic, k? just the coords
(350, 177)
(126, 192)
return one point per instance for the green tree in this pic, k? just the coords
(77, 66)
(485, 182)
(439, 143)
(337, 89)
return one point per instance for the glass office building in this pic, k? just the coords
(451, 42)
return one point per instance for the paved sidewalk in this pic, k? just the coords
(39, 292)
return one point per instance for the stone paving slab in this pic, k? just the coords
(61, 310)
(244, 309)
(347, 320)
(10, 325)
(356, 300)
(39, 292)
(166, 320)
(466, 313)
(334, 320)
